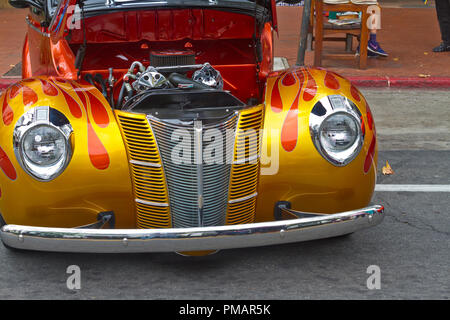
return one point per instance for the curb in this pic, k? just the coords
(361, 82)
(5, 83)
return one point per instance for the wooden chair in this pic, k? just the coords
(322, 29)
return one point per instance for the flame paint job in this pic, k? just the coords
(6, 165)
(305, 178)
(7, 113)
(330, 81)
(97, 152)
(29, 97)
(48, 88)
(97, 178)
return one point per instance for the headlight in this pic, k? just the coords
(335, 127)
(44, 145)
(42, 142)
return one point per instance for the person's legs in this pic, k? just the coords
(373, 46)
(443, 15)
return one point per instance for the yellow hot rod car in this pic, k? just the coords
(160, 126)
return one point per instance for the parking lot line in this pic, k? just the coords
(413, 187)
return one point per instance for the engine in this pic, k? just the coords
(166, 91)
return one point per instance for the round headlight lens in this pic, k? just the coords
(336, 129)
(338, 132)
(43, 142)
(44, 145)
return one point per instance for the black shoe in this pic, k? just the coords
(442, 48)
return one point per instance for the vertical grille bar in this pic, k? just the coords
(245, 169)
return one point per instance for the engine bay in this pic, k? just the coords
(173, 92)
(127, 54)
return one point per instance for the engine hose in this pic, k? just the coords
(88, 77)
(99, 79)
(122, 91)
(111, 98)
(179, 80)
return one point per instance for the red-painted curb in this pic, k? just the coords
(374, 82)
(5, 83)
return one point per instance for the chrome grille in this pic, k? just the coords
(186, 181)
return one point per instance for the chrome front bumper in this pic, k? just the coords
(190, 239)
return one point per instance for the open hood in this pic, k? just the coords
(58, 10)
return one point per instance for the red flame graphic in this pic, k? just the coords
(6, 165)
(275, 100)
(98, 110)
(370, 154)
(97, 152)
(289, 131)
(29, 97)
(311, 87)
(355, 93)
(331, 81)
(73, 105)
(7, 113)
(48, 88)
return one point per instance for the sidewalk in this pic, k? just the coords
(12, 34)
(409, 31)
(408, 35)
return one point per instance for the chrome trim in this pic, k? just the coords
(198, 160)
(32, 26)
(243, 198)
(146, 164)
(190, 239)
(150, 203)
(175, 68)
(332, 105)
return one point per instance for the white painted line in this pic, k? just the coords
(413, 187)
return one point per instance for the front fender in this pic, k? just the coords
(96, 179)
(294, 170)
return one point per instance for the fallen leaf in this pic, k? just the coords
(396, 59)
(387, 170)
(425, 53)
(424, 75)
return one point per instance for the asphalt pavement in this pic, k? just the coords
(410, 247)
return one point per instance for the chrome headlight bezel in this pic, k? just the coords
(43, 116)
(322, 111)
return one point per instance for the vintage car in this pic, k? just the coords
(160, 126)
